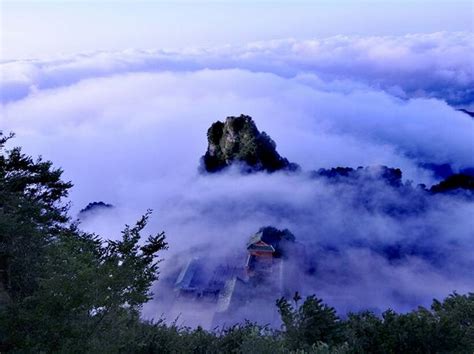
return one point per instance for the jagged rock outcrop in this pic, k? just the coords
(238, 141)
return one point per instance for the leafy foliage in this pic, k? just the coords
(63, 290)
(310, 323)
(447, 328)
(64, 287)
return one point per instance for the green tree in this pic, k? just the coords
(69, 290)
(30, 216)
(364, 332)
(310, 323)
(448, 327)
(455, 322)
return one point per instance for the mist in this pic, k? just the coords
(435, 65)
(129, 129)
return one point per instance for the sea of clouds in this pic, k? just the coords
(129, 128)
(416, 65)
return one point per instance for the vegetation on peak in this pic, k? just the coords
(391, 176)
(238, 141)
(94, 206)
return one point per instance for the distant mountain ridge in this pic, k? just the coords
(469, 113)
(392, 176)
(93, 207)
(454, 183)
(237, 141)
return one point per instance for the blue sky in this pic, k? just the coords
(45, 28)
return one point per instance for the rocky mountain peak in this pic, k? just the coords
(238, 141)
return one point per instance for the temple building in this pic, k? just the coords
(231, 287)
(265, 248)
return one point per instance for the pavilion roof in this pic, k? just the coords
(260, 246)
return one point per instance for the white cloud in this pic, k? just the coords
(418, 65)
(312, 127)
(129, 128)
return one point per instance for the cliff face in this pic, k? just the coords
(238, 141)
